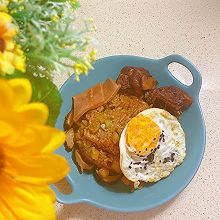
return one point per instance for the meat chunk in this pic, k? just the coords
(135, 80)
(170, 98)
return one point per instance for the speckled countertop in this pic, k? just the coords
(155, 29)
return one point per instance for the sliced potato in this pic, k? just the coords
(70, 138)
(103, 174)
(94, 153)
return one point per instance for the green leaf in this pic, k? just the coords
(43, 90)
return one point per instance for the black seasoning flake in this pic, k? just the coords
(172, 157)
(166, 159)
(145, 168)
(154, 139)
(137, 163)
(139, 151)
(150, 157)
(129, 167)
(161, 137)
(160, 161)
(146, 149)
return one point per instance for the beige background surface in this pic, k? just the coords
(156, 28)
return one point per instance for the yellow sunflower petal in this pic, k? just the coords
(42, 169)
(34, 113)
(5, 213)
(5, 130)
(26, 143)
(22, 201)
(47, 139)
(16, 123)
(6, 96)
(22, 91)
(56, 139)
(35, 140)
(49, 192)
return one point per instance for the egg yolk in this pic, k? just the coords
(142, 134)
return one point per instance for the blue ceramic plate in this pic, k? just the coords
(117, 198)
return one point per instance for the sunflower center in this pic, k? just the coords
(2, 45)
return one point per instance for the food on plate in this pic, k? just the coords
(135, 80)
(93, 98)
(110, 89)
(171, 98)
(98, 131)
(82, 164)
(123, 130)
(70, 138)
(68, 122)
(151, 146)
(105, 175)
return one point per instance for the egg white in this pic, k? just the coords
(174, 143)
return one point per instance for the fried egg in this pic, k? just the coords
(151, 145)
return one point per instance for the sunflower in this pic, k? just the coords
(11, 56)
(27, 162)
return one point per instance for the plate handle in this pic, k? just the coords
(73, 197)
(195, 87)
